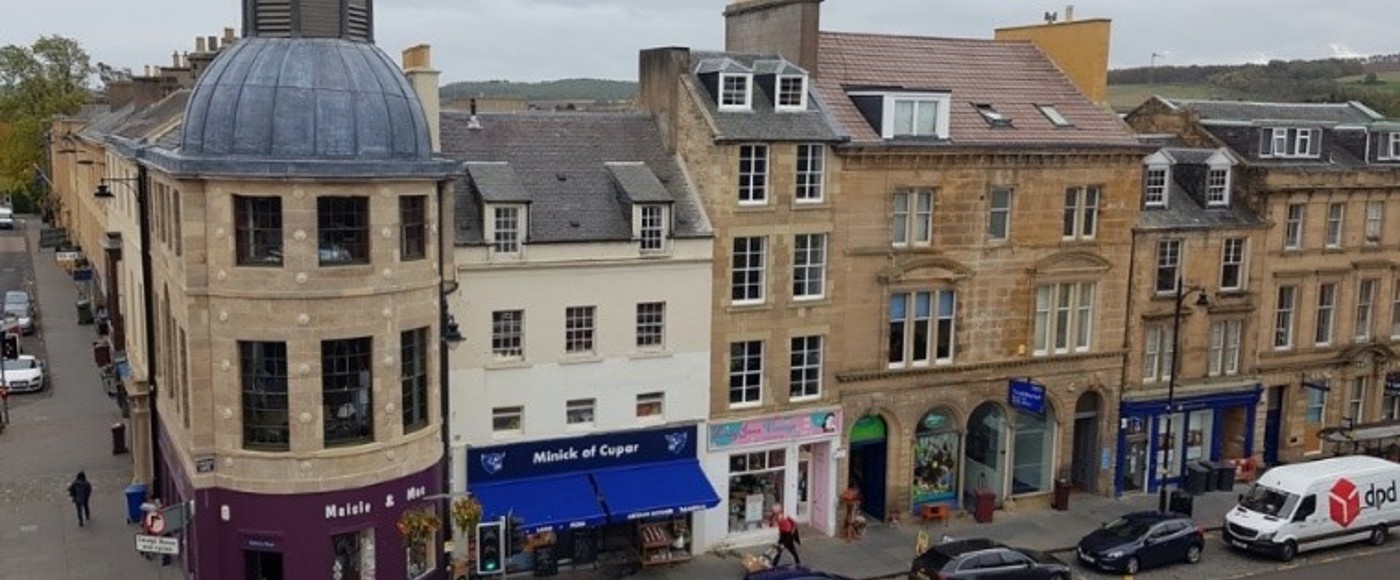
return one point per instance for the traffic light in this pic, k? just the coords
(11, 346)
(490, 548)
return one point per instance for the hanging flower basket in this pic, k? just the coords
(418, 525)
(466, 513)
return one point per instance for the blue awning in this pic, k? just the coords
(657, 489)
(543, 503)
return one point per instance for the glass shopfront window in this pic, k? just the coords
(755, 482)
(354, 555)
(936, 453)
(1034, 452)
(1198, 431)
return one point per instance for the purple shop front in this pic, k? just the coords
(238, 535)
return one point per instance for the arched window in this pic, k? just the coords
(936, 454)
(1034, 452)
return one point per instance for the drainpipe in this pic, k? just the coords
(444, 396)
(147, 294)
(1128, 314)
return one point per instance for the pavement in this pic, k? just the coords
(886, 551)
(54, 434)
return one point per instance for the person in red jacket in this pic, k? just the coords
(787, 535)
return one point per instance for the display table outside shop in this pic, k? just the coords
(657, 544)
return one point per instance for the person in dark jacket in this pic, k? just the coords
(80, 491)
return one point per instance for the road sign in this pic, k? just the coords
(154, 523)
(157, 544)
(176, 517)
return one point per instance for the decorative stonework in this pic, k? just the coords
(388, 273)
(302, 277)
(304, 417)
(221, 275)
(299, 235)
(386, 233)
(223, 316)
(387, 313)
(220, 233)
(389, 361)
(390, 407)
(303, 369)
(226, 413)
(225, 365)
(303, 319)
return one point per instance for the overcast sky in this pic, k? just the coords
(548, 39)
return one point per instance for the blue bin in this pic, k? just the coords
(135, 496)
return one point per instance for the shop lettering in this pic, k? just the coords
(415, 492)
(574, 454)
(1377, 497)
(334, 511)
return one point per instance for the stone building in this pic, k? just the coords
(1192, 242)
(578, 392)
(974, 220)
(280, 237)
(1325, 178)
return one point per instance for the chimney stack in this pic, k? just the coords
(213, 42)
(788, 28)
(418, 67)
(199, 46)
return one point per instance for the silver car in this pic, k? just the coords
(19, 306)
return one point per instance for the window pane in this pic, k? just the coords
(1071, 212)
(923, 217)
(343, 225)
(414, 378)
(258, 230)
(263, 369)
(904, 117)
(346, 393)
(413, 227)
(899, 226)
(898, 313)
(928, 118)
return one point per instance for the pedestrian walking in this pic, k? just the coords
(80, 491)
(787, 535)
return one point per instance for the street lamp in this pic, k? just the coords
(1202, 299)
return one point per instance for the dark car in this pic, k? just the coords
(986, 560)
(793, 573)
(1142, 540)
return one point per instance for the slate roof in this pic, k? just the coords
(497, 181)
(1013, 76)
(1184, 211)
(762, 123)
(562, 163)
(1341, 113)
(141, 124)
(639, 183)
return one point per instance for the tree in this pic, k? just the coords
(37, 83)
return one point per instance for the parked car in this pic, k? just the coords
(18, 305)
(7, 219)
(1143, 540)
(24, 374)
(793, 573)
(985, 559)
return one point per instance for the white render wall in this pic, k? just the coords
(610, 277)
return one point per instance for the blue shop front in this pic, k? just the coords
(1207, 427)
(622, 494)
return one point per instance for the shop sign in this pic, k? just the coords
(157, 544)
(204, 464)
(1027, 396)
(618, 449)
(1392, 383)
(261, 544)
(812, 424)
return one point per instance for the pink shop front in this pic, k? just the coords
(348, 534)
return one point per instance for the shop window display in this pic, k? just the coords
(354, 555)
(755, 482)
(935, 459)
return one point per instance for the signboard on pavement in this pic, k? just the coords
(157, 544)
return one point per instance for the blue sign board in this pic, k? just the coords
(555, 456)
(1027, 396)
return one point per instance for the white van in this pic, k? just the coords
(1315, 505)
(7, 218)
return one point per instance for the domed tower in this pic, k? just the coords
(297, 276)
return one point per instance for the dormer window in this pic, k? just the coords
(792, 93)
(735, 92)
(1390, 146)
(1218, 187)
(507, 229)
(1286, 142)
(915, 115)
(651, 230)
(989, 113)
(1154, 189)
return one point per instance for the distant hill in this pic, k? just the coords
(559, 90)
(1370, 80)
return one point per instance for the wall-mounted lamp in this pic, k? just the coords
(451, 332)
(104, 192)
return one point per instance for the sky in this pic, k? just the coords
(531, 40)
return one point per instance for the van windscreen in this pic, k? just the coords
(1268, 501)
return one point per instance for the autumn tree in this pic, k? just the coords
(37, 83)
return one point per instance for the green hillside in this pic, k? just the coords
(558, 90)
(1329, 80)
(1128, 97)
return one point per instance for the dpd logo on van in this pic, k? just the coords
(1345, 502)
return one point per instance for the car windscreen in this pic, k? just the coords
(19, 365)
(1268, 501)
(1128, 528)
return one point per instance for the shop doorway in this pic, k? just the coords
(1084, 473)
(868, 461)
(262, 565)
(984, 465)
(1273, 424)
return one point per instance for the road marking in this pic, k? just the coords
(1328, 560)
(29, 528)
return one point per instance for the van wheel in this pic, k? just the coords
(1193, 554)
(1378, 536)
(1289, 551)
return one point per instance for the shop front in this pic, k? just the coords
(1212, 427)
(352, 533)
(937, 450)
(626, 495)
(754, 464)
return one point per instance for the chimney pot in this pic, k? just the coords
(228, 36)
(213, 42)
(175, 59)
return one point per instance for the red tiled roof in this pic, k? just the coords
(1013, 76)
